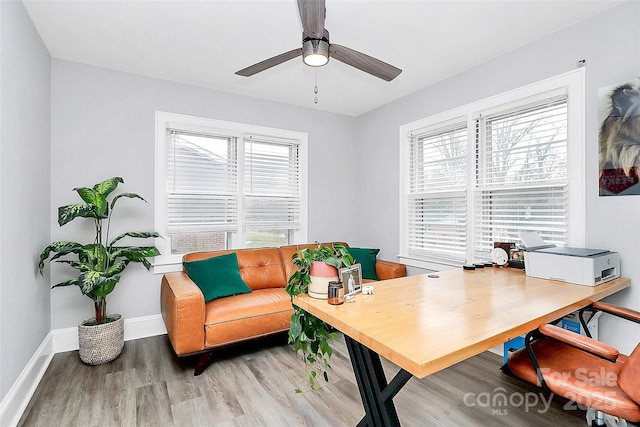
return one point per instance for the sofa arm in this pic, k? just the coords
(182, 305)
(390, 270)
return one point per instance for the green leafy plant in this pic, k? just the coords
(310, 335)
(101, 263)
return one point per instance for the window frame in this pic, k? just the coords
(163, 121)
(573, 83)
(448, 125)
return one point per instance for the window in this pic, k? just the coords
(223, 185)
(437, 196)
(487, 171)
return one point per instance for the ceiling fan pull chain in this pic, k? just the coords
(315, 89)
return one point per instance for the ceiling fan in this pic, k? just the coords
(316, 49)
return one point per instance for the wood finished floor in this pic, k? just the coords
(254, 386)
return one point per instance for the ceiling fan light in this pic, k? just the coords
(315, 53)
(316, 60)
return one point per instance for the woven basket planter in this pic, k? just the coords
(101, 343)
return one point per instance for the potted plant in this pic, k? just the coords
(310, 335)
(98, 265)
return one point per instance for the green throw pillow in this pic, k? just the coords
(367, 259)
(217, 277)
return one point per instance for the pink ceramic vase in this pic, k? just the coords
(321, 274)
(322, 269)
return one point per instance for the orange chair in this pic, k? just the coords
(584, 370)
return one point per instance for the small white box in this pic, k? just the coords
(572, 323)
(581, 266)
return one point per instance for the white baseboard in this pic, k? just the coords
(16, 400)
(142, 327)
(58, 341)
(138, 327)
(497, 350)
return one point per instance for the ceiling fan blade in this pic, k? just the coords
(268, 63)
(364, 62)
(312, 14)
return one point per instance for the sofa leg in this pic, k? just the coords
(202, 363)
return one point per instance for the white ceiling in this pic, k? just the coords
(204, 42)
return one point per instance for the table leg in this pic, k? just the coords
(377, 396)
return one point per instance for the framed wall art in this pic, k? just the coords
(619, 138)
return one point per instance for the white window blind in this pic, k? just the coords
(202, 182)
(272, 191)
(226, 185)
(522, 181)
(437, 199)
(487, 171)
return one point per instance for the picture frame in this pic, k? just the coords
(618, 149)
(351, 278)
(516, 254)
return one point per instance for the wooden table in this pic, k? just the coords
(425, 324)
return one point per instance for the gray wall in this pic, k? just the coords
(103, 126)
(24, 190)
(610, 43)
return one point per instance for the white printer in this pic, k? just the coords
(581, 266)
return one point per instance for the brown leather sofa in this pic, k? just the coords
(194, 327)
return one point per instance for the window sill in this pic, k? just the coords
(427, 265)
(161, 268)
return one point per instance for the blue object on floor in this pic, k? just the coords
(512, 345)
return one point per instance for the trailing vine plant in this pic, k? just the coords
(309, 335)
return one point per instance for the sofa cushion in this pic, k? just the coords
(217, 277)
(259, 313)
(261, 268)
(367, 259)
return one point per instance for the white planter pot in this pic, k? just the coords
(102, 343)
